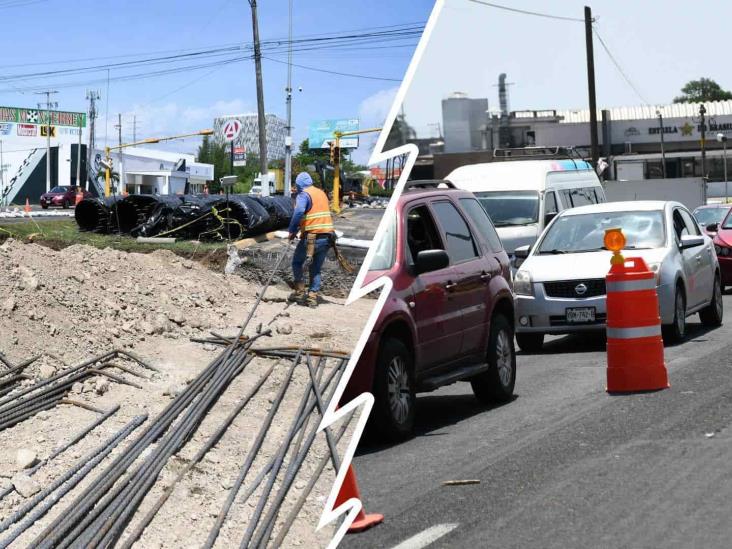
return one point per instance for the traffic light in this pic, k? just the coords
(332, 152)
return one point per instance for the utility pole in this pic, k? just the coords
(663, 151)
(703, 130)
(92, 96)
(591, 86)
(78, 158)
(48, 106)
(2, 176)
(134, 128)
(262, 123)
(288, 138)
(120, 181)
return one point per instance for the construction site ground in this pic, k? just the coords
(71, 304)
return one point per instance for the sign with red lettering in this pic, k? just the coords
(27, 130)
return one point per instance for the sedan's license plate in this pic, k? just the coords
(580, 314)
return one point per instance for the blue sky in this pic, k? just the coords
(659, 45)
(53, 33)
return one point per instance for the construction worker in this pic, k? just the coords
(312, 218)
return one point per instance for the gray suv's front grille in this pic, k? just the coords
(592, 287)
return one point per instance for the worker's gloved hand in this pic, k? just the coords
(291, 236)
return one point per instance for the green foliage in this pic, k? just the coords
(704, 89)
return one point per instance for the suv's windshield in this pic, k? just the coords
(507, 208)
(705, 216)
(384, 255)
(59, 189)
(585, 233)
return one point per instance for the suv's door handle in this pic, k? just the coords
(699, 258)
(485, 276)
(450, 285)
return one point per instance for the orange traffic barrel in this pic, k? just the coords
(349, 490)
(634, 344)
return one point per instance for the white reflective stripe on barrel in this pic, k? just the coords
(631, 285)
(632, 333)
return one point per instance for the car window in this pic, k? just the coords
(422, 232)
(59, 190)
(385, 253)
(482, 222)
(459, 240)
(680, 228)
(550, 203)
(691, 226)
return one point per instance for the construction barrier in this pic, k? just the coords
(635, 359)
(349, 490)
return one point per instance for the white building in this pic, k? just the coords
(248, 140)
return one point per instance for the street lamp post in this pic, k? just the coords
(723, 139)
(663, 152)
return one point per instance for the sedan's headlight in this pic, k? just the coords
(522, 283)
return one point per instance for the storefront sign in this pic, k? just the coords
(6, 129)
(27, 130)
(45, 131)
(35, 116)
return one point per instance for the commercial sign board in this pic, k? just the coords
(45, 131)
(674, 129)
(6, 129)
(231, 129)
(27, 130)
(320, 133)
(36, 116)
(240, 157)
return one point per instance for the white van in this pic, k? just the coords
(522, 196)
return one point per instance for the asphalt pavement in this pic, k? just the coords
(565, 464)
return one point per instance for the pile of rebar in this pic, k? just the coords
(19, 404)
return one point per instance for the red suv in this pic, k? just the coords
(63, 195)
(450, 314)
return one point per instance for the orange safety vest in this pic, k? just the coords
(317, 219)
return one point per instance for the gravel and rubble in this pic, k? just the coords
(70, 305)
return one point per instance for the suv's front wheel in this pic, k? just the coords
(394, 406)
(497, 383)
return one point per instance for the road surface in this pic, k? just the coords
(565, 465)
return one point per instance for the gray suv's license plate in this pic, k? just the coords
(579, 315)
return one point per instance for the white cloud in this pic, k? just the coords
(372, 112)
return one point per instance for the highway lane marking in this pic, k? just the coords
(427, 537)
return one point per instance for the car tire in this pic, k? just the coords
(65, 205)
(711, 315)
(44, 206)
(392, 417)
(530, 342)
(675, 332)
(497, 383)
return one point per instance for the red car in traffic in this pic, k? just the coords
(63, 195)
(449, 316)
(723, 247)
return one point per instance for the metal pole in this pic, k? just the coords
(107, 175)
(337, 175)
(262, 123)
(703, 130)
(78, 158)
(121, 181)
(726, 186)
(591, 86)
(663, 152)
(288, 138)
(2, 176)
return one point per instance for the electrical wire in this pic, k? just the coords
(617, 66)
(365, 76)
(527, 12)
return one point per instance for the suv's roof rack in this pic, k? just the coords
(428, 184)
(536, 153)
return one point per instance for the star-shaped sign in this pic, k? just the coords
(686, 129)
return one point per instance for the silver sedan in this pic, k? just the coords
(560, 284)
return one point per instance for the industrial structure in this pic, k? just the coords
(248, 139)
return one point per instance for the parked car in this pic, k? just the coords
(560, 286)
(723, 247)
(523, 196)
(710, 216)
(449, 316)
(63, 195)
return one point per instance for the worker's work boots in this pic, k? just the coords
(311, 299)
(299, 294)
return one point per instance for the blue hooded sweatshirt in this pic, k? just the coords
(302, 202)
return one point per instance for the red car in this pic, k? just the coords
(723, 246)
(450, 314)
(63, 195)
(710, 216)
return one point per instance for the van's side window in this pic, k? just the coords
(550, 203)
(582, 197)
(459, 240)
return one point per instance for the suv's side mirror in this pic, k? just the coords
(521, 253)
(548, 218)
(431, 260)
(691, 241)
(712, 227)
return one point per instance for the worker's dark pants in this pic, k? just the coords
(298, 261)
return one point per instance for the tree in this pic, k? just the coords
(704, 89)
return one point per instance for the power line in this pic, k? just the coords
(365, 76)
(617, 66)
(527, 12)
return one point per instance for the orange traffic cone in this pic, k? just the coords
(349, 489)
(634, 344)
(27, 208)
